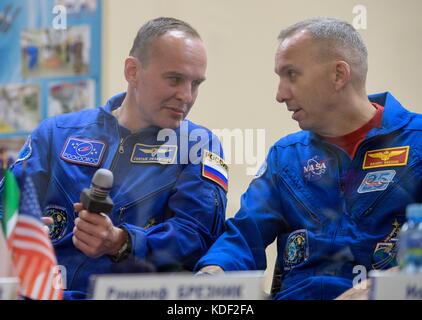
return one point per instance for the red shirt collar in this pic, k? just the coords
(351, 141)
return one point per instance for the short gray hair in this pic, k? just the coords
(340, 38)
(155, 28)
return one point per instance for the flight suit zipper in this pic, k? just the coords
(310, 213)
(137, 201)
(120, 150)
(217, 204)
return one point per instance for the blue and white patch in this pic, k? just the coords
(376, 181)
(314, 168)
(83, 151)
(261, 170)
(26, 151)
(145, 153)
(296, 250)
(60, 221)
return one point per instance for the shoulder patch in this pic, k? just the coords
(26, 151)
(261, 170)
(83, 151)
(215, 169)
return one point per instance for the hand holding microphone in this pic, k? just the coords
(96, 199)
(94, 233)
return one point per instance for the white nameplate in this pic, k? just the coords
(246, 285)
(396, 286)
(9, 288)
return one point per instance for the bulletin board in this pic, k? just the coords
(50, 62)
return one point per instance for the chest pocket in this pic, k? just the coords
(392, 188)
(142, 199)
(59, 206)
(148, 210)
(64, 189)
(314, 202)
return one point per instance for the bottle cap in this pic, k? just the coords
(414, 211)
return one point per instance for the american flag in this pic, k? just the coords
(32, 252)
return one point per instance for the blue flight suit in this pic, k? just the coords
(163, 197)
(333, 216)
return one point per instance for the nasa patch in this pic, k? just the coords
(314, 168)
(58, 228)
(83, 151)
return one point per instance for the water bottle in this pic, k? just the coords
(410, 240)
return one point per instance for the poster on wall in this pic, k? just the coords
(51, 59)
(55, 53)
(19, 107)
(79, 6)
(65, 97)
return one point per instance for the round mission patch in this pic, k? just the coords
(58, 228)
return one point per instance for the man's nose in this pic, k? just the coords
(283, 92)
(184, 92)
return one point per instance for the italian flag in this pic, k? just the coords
(10, 203)
(10, 214)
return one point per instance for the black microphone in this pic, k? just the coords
(96, 199)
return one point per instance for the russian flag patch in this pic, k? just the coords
(215, 169)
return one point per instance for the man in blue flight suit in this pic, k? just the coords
(170, 180)
(334, 194)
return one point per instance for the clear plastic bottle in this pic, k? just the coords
(410, 240)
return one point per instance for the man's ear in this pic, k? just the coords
(132, 66)
(342, 74)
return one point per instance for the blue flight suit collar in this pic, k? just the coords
(116, 101)
(394, 117)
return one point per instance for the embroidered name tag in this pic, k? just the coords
(376, 181)
(83, 151)
(386, 157)
(144, 153)
(214, 168)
